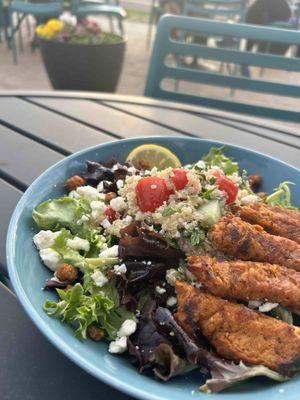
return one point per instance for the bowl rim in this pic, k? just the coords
(50, 334)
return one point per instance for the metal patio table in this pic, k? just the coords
(38, 129)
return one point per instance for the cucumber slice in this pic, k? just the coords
(211, 212)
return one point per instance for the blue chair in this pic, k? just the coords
(165, 45)
(156, 12)
(84, 8)
(216, 9)
(3, 21)
(22, 9)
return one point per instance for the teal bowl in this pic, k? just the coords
(28, 275)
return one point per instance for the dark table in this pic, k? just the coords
(39, 129)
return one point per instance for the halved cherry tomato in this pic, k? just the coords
(179, 179)
(151, 192)
(110, 214)
(226, 185)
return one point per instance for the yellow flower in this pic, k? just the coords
(49, 30)
(39, 30)
(55, 25)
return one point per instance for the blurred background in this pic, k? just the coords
(138, 19)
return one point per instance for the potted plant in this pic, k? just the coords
(79, 56)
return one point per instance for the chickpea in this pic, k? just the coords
(255, 181)
(74, 182)
(66, 273)
(95, 333)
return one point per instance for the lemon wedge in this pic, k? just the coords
(153, 155)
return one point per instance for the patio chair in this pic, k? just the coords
(216, 9)
(165, 45)
(3, 21)
(22, 9)
(83, 8)
(155, 13)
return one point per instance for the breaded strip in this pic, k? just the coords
(248, 280)
(238, 333)
(242, 240)
(274, 219)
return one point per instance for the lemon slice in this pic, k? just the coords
(153, 155)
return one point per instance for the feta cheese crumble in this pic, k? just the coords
(50, 258)
(171, 301)
(160, 290)
(172, 275)
(87, 192)
(78, 244)
(127, 328)
(118, 204)
(105, 223)
(99, 278)
(100, 186)
(110, 252)
(120, 269)
(120, 184)
(45, 239)
(98, 208)
(118, 346)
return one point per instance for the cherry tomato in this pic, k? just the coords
(151, 192)
(110, 214)
(179, 179)
(226, 185)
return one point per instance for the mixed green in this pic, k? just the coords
(116, 249)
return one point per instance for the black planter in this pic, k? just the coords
(83, 67)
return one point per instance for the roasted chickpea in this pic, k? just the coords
(95, 333)
(66, 273)
(74, 182)
(255, 181)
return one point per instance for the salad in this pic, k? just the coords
(142, 252)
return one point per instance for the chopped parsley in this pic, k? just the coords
(168, 211)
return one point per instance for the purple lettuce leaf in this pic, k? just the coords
(168, 364)
(225, 374)
(139, 242)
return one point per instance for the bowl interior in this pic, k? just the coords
(28, 274)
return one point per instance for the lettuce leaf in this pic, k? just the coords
(68, 255)
(80, 309)
(281, 196)
(225, 374)
(66, 212)
(61, 213)
(78, 258)
(216, 157)
(168, 364)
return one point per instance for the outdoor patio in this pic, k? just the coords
(30, 73)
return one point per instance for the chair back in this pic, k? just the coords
(167, 46)
(215, 9)
(2, 22)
